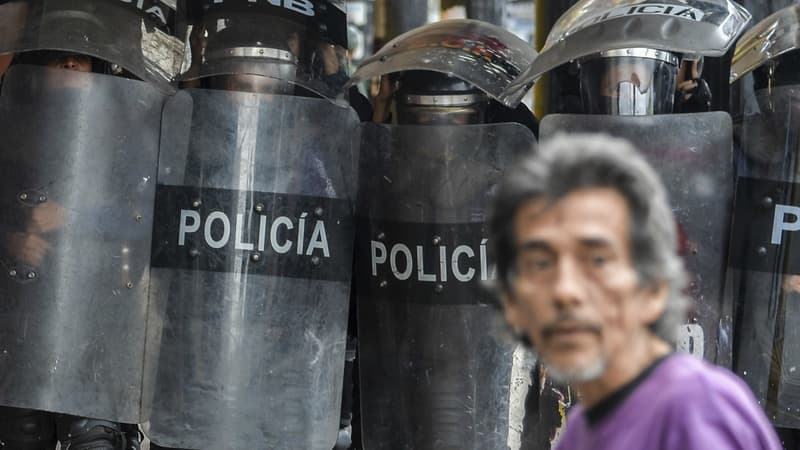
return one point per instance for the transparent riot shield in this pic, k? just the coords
(693, 155)
(435, 370)
(764, 265)
(77, 180)
(252, 257)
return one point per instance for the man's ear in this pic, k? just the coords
(655, 297)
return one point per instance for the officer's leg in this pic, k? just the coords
(26, 429)
(79, 433)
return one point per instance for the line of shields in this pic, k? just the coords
(187, 260)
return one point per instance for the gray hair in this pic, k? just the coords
(568, 163)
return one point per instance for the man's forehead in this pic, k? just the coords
(591, 210)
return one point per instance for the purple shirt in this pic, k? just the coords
(683, 404)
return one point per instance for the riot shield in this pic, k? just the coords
(693, 155)
(77, 178)
(435, 371)
(764, 265)
(252, 257)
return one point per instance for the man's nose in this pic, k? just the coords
(70, 63)
(569, 288)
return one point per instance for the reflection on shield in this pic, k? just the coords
(252, 254)
(435, 371)
(79, 154)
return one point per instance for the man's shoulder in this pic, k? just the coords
(690, 380)
(698, 398)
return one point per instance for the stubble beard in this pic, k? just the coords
(582, 374)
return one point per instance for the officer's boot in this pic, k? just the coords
(78, 433)
(26, 429)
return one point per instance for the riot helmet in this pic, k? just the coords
(780, 71)
(120, 38)
(434, 98)
(259, 63)
(628, 82)
(764, 72)
(263, 48)
(613, 40)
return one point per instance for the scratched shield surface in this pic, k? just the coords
(435, 368)
(765, 268)
(693, 154)
(79, 156)
(252, 256)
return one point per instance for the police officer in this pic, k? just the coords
(432, 373)
(765, 274)
(253, 297)
(59, 367)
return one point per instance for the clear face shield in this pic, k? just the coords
(782, 71)
(434, 98)
(629, 82)
(258, 70)
(465, 109)
(124, 36)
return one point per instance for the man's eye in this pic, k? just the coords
(598, 260)
(537, 264)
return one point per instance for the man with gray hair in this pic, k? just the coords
(588, 268)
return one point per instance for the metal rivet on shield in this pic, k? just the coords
(196, 204)
(315, 260)
(31, 275)
(762, 251)
(259, 208)
(439, 288)
(318, 211)
(256, 257)
(12, 273)
(42, 198)
(767, 202)
(129, 285)
(436, 240)
(383, 283)
(138, 217)
(23, 196)
(194, 253)
(381, 236)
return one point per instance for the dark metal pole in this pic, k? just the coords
(491, 11)
(405, 15)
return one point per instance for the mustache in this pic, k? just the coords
(569, 321)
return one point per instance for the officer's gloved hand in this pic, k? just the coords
(383, 100)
